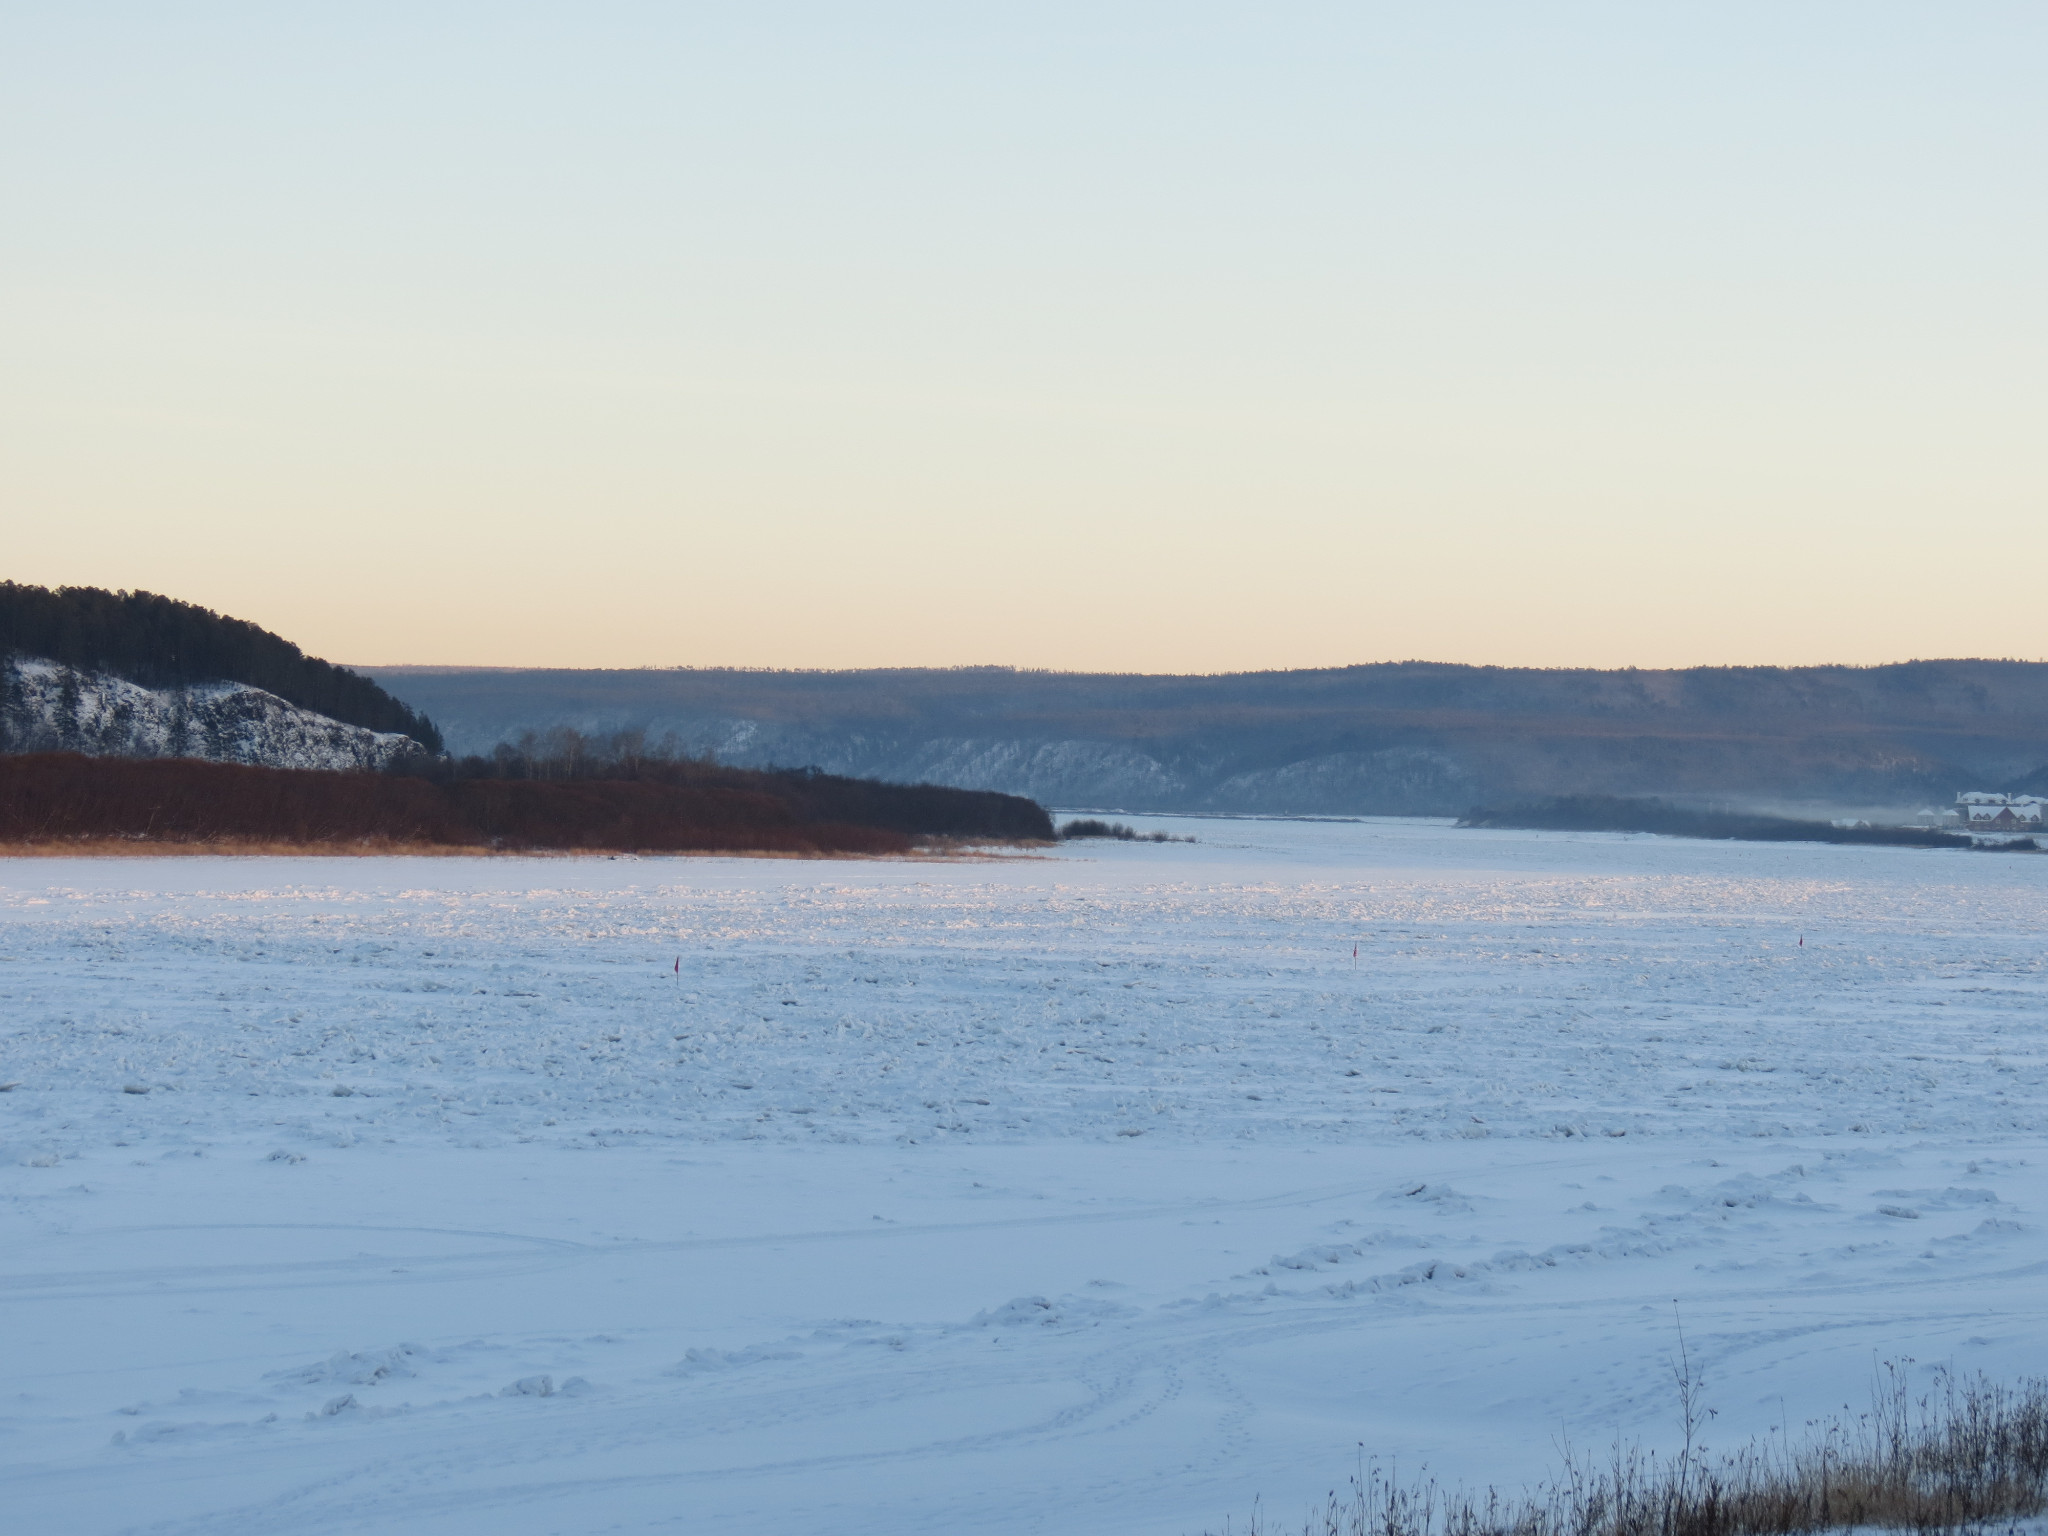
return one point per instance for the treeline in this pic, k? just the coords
(55, 798)
(1087, 827)
(1616, 813)
(160, 642)
(565, 756)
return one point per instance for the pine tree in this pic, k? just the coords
(160, 642)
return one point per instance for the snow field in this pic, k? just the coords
(1096, 1192)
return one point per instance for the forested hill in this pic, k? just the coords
(159, 642)
(1395, 738)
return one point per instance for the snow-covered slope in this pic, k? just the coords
(48, 707)
(1400, 739)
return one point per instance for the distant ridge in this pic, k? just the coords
(1399, 738)
(160, 643)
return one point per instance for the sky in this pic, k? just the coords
(1166, 337)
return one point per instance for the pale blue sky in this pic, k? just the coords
(1174, 337)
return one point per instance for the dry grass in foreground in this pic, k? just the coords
(1967, 1456)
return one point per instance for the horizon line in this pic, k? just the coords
(1354, 666)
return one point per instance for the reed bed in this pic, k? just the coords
(1966, 1455)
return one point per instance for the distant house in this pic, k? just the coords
(1981, 811)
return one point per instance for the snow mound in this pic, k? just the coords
(355, 1368)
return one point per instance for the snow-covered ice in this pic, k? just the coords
(1094, 1192)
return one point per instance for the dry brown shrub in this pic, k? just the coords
(1968, 1455)
(72, 803)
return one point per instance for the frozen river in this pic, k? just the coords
(1100, 1192)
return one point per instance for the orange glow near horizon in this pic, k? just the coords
(1102, 339)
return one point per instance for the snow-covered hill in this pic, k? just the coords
(48, 707)
(1399, 739)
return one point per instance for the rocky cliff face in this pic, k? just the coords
(49, 707)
